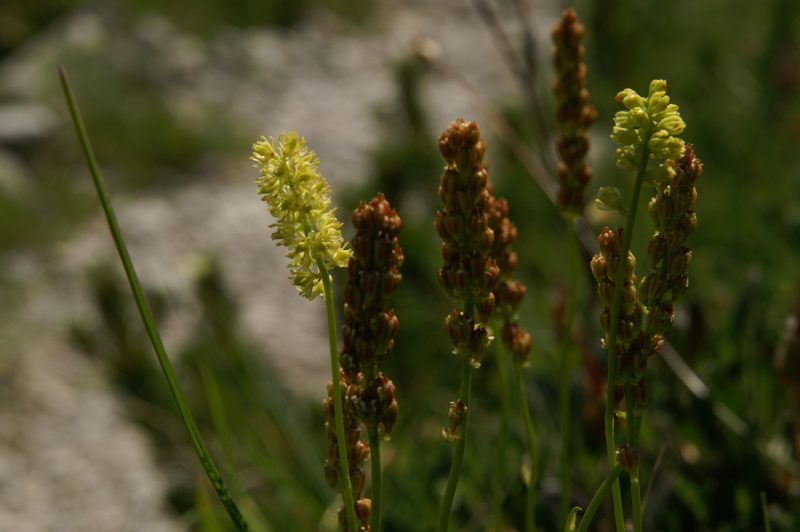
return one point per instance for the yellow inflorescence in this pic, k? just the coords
(651, 121)
(299, 199)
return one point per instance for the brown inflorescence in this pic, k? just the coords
(605, 265)
(370, 326)
(672, 212)
(357, 454)
(646, 314)
(508, 293)
(574, 113)
(469, 272)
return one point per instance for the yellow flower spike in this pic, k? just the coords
(652, 121)
(298, 197)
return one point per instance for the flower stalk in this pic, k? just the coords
(574, 116)
(370, 327)
(298, 198)
(647, 133)
(338, 435)
(469, 274)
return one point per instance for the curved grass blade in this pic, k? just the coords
(202, 452)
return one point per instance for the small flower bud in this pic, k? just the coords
(656, 249)
(598, 267)
(628, 457)
(610, 199)
(628, 297)
(485, 307)
(679, 262)
(455, 417)
(605, 289)
(661, 317)
(679, 286)
(363, 510)
(609, 241)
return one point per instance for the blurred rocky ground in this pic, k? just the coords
(69, 458)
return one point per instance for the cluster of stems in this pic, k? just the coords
(469, 274)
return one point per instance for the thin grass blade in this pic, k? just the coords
(141, 303)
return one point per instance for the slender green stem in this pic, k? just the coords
(530, 503)
(636, 500)
(630, 423)
(377, 486)
(629, 415)
(611, 345)
(338, 410)
(566, 366)
(598, 497)
(465, 392)
(502, 437)
(141, 303)
(765, 513)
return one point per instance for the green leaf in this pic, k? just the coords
(572, 519)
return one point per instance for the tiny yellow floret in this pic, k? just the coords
(298, 198)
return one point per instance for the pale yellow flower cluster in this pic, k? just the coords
(299, 199)
(653, 122)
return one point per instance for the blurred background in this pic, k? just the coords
(174, 95)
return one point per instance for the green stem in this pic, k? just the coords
(144, 311)
(502, 438)
(598, 497)
(530, 503)
(566, 366)
(636, 500)
(765, 513)
(377, 486)
(611, 346)
(630, 423)
(464, 394)
(338, 410)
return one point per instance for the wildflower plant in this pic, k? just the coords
(299, 199)
(369, 331)
(469, 274)
(574, 116)
(635, 316)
